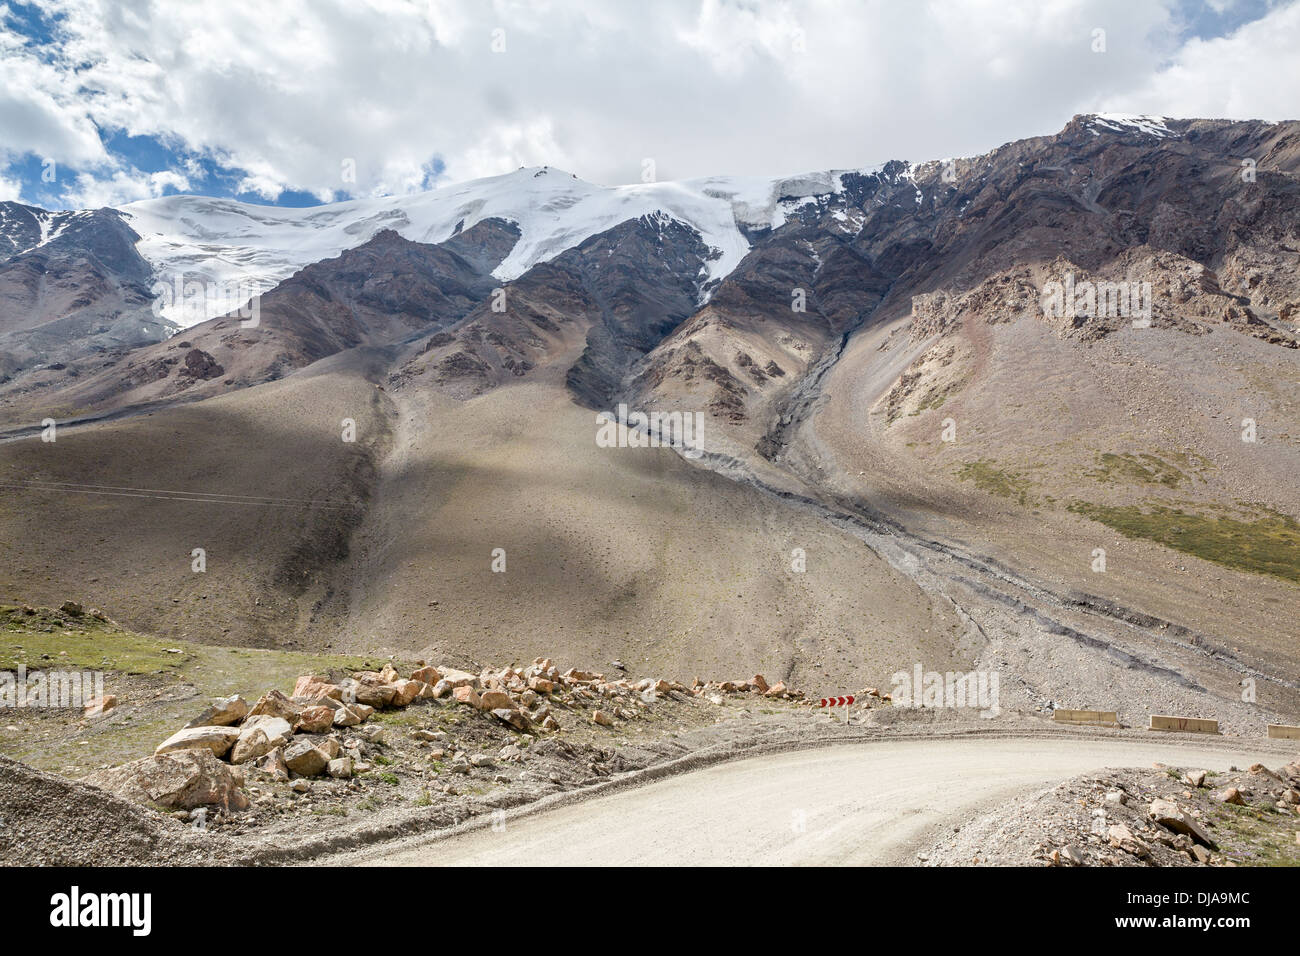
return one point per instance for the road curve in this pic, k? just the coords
(862, 803)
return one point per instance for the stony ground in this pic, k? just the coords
(1157, 816)
(441, 756)
(405, 782)
(48, 820)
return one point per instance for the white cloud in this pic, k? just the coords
(92, 190)
(1254, 73)
(288, 91)
(41, 111)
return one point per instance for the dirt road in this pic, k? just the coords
(872, 803)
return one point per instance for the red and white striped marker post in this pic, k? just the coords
(845, 702)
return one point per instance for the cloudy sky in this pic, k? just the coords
(305, 101)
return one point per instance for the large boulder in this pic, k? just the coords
(309, 685)
(251, 745)
(222, 713)
(427, 675)
(1168, 815)
(273, 764)
(277, 728)
(466, 694)
(495, 700)
(214, 739)
(372, 693)
(1121, 837)
(275, 704)
(511, 717)
(305, 758)
(316, 720)
(347, 716)
(259, 736)
(99, 707)
(459, 678)
(331, 702)
(178, 780)
(405, 691)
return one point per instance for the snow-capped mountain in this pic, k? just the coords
(247, 249)
(239, 249)
(71, 284)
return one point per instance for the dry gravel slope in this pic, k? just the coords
(629, 554)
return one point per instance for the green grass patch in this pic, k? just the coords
(1143, 469)
(936, 398)
(160, 682)
(1266, 545)
(78, 642)
(39, 640)
(1259, 837)
(996, 481)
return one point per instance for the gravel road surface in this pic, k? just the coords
(869, 803)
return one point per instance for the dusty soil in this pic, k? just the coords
(386, 546)
(623, 553)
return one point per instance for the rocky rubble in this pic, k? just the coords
(319, 729)
(1164, 816)
(49, 820)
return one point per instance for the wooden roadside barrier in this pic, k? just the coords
(1095, 718)
(1186, 725)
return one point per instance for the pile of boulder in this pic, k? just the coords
(522, 699)
(295, 736)
(755, 685)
